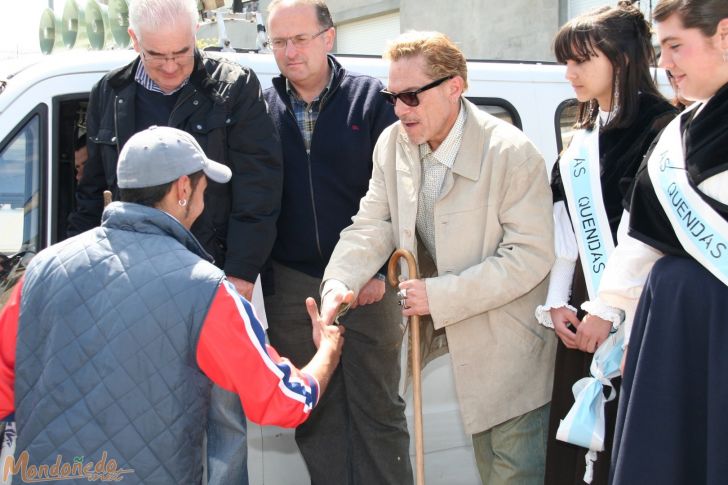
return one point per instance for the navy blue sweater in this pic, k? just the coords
(321, 193)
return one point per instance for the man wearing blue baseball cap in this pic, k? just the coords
(110, 344)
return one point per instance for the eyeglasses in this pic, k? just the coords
(299, 41)
(158, 60)
(410, 97)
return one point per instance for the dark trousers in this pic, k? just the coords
(357, 434)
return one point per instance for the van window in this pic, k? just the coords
(500, 108)
(69, 128)
(565, 118)
(20, 190)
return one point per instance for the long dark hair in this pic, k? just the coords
(623, 35)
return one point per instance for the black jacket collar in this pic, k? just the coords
(706, 139)
(199, 78)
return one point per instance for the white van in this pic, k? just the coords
(42, 100)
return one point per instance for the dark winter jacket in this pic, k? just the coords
(223, 108)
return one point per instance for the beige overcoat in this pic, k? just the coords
(494, 245)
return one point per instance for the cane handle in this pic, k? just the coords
(392, 276)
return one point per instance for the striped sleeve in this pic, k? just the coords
(8, 334)
(232, 352)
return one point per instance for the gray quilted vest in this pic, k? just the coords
(105, 359)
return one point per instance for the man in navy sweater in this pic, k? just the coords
(329, 120)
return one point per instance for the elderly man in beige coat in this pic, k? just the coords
(474, 191)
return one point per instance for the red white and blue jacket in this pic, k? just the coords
(231, 351)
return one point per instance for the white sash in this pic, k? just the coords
(702, 232)
(580, 172)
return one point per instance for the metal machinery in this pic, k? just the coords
(104, 24)
(99, 24)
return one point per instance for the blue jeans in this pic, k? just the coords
(227, 446)
(514, 452)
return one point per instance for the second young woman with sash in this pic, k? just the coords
(672, 427)
(608, 55)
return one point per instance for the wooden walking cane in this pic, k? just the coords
(414, 324)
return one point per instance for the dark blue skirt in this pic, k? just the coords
(672, 424)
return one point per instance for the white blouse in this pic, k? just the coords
(567, 252)
(631, 262)
(626, 272)
(562, 272)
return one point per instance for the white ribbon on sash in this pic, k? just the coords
(580, 174)
(584, 425)
(702, 232)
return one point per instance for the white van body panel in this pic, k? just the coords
(534, 92)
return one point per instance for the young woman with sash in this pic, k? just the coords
(672, 426)
(608, 56)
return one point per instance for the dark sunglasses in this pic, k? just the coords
(410, 97)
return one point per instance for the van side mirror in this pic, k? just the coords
(12, 269)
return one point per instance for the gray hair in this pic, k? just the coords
(153, 15)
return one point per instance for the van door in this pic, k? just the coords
(20, 187)
(20, 197)
(29, 168)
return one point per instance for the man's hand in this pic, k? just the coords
(592, 332)
(372, 292)
(326, 337)
(329, 340)
(415, 301)
(243, 287)
(332, 301)
(561, 317)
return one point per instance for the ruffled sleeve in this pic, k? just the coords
(562, 271)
